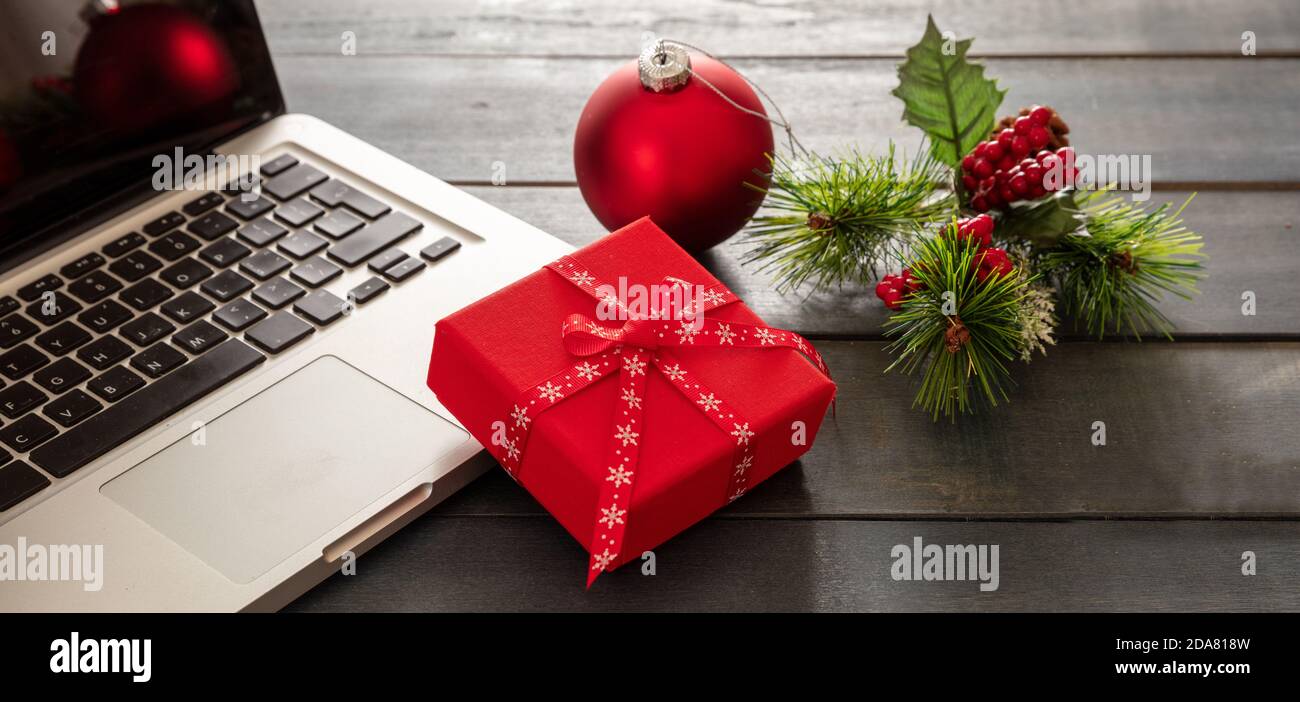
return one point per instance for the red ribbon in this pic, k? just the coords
(631, 350)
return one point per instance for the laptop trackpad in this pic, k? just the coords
(277, 472)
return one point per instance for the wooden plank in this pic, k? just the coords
(821, 28)
(525, 564)
(457, 117)
(1250, 238)
(1192, 430)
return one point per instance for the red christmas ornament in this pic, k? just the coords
(656, 140)
(145, 64)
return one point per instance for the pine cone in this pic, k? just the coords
(1057, 129)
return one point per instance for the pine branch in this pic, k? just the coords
(1112, 275)
(963, 350)
(830, 221)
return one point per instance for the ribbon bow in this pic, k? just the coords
(643, 341)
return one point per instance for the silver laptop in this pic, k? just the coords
(213, 376)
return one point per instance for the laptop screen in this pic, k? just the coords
(92, 90)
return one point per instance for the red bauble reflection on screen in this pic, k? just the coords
(681, 155)
(145, 64)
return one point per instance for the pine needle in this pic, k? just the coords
(990, 310)
(1112, 275)
(828, 221)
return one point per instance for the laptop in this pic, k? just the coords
(215, 318)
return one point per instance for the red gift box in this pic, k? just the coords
(631, 417)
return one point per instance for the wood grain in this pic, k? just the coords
(1192, 430)
(789, 27)
(532, 565)
(1250, 237)
(456, 117)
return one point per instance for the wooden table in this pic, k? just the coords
(1203, 455)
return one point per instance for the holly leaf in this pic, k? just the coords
(1043, 222)
(947, 96)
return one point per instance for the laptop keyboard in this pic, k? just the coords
(122, 338)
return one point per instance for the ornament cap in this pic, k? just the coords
(664, 66)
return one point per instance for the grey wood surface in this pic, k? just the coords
(1202, 461)
(788, 28)
(1201, 120)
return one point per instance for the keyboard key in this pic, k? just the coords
(368, 290)
(164, 224)
(278, 165)
(203, 203)
(103, 317)
(26, 433)
(212, 225)
(382, 262)
(123, 244)
(21, 360)
(8, 305)
(261, 232)
(338, 224)
(293, 182)
(146, 294)
(14, 329)
(301, 244)
(298, 212)
(61, 376)
(278, 332)
(54, 309)
(335, 193)
(72, 408)
(315, 272)
(174, 245)
(134, 266)
(115, 384)
(238, 315)
(95, 286)
(439, 249)
(199, 337)
(264, 264)
(401, 271)
(19, 399)
(63, 339)
(36, 288)
(157, 360)
(184, 273)
(249, 210)
(19, 481)
(374, 238)
(137, 412)
(244, 184)
(223, 252)
(146, 330)
(104, 352)
(321, 307)
(187, 306)
(277, 292)
(226, 286)
(82, 266)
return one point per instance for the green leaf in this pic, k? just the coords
(1043, 222)
(947, 96)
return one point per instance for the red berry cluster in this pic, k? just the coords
(894, 287)
(988, 258)
(988, 261)
(1013, 164)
